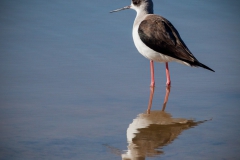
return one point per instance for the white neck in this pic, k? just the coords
(142, 11)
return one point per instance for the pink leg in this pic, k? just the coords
(168, 75)
(152, 74)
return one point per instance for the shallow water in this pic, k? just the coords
(72, 82)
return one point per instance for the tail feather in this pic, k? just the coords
(204, 66)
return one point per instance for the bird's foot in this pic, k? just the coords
(168, 83)
(152, 84)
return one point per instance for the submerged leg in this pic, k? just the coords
(152, 74)
(166, 97)
(150, 99)
(168, 75)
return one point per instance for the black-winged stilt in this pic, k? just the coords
(157, 39)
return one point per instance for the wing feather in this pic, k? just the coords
(161, 36)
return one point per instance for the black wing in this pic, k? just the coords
(161, 36)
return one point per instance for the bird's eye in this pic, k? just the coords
(135, 2)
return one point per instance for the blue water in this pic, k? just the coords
(72, 80)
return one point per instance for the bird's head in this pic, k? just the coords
(139, 6)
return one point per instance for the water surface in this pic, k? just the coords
(72, 81)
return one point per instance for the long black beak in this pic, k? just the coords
(127, 7)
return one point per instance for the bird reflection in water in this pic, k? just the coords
(152, 130)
